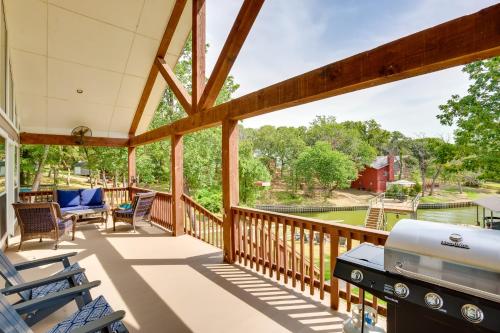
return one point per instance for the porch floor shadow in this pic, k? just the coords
(179, 284)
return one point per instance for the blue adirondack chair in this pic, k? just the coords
(72, 275)
(96, 316)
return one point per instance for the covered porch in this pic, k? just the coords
(247, 270)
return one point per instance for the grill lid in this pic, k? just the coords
(456, 257)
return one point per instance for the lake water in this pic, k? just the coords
(465, 215)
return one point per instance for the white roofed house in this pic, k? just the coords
(104, 65)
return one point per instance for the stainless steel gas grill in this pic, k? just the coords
(435, 277)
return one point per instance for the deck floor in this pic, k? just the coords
(179, 284)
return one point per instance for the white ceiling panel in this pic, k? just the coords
(142, 55)
(30, 72)
(181, 33)
(155, 14)
(130, 91)
(86, 41)
(70, 114)
(105, 48)
(27, 23)
(99, 86)
(122, 13)
(122, 117)
(153, 101)
(34, 113)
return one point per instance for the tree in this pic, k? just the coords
(251, 170)
(39, 168)
(443, 153)
(346, 139)
(431, 155)
(330, 168)
(477, 117)
(398, 145)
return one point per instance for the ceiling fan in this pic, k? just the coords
(79, 133)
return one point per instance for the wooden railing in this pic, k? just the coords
(200, 223)
(161, 213)
(284, 246)
(36, 196)
(306, 237)
(116, 196)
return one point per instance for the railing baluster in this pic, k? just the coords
(270, 246)
(285, 246)
(277, 251)
(250, 238)
(257, 248)
(263, 242)
(311, 260)
(294, 263)
(334, 282)
(321, 264)
(302, 264)
(348, 285)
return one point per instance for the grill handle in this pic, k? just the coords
(449, 285)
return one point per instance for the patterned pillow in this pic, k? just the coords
(94, 310)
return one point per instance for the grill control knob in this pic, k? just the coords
(356, 276)
(433, 300)
(401, 290)
(472, 313)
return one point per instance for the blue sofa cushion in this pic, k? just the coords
(80, 207)
(91, 197)
(68, 198)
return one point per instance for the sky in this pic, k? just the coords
(290, 37)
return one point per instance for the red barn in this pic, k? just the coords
(375, 176)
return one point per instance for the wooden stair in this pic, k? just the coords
(373, 218)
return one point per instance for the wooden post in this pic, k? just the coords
(230, 185)
(198, 50)
(131, 167)
(132, 172)
(177, 185)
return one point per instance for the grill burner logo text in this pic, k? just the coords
(455, 241)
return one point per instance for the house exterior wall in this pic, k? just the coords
(9, 139)
(375, 180)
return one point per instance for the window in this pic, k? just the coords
(10, 109)
(16, 166)
(2, 165)
(3, 61)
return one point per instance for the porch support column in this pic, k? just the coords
(230, 185)
(132, 173)
(177, 181)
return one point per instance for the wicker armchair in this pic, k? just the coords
(42, 220)
(140, 211)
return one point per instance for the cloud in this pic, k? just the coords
(291, 37)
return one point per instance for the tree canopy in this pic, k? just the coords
(477, 118)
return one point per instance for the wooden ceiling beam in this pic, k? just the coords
(198, 52)
(456, 42)
(239, 32)
(173, 21)
(178, 89)
(68, 140)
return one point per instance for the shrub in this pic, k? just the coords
(210, 198)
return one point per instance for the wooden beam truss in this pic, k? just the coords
(239, 32)
(68, 140)
(456, 42)
(198, 51)
(162, 51)
(178, 89)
